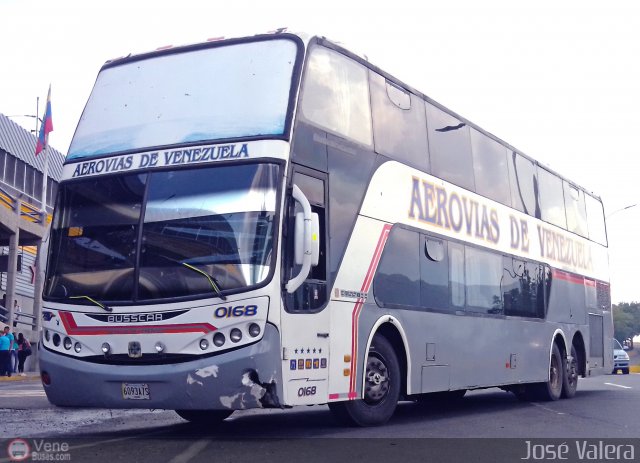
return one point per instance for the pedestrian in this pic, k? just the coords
(17, 310)
(6, 344)
(13, 361)
(24, 351)
(4, 312)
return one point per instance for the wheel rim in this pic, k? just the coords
(572, 372)
(377, 383)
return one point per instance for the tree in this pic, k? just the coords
(626, 320)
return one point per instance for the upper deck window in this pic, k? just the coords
(450, 148)
(336, 95)
(231, 91)
(551, 194)
(595, 220)
(490, 165)
(524, 184)
(399, 123)
(576, 210)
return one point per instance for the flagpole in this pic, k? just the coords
(37, 118)
(45, 173)
(44, 185)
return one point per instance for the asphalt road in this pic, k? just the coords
(605, 407)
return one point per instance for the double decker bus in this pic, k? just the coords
(273, 221)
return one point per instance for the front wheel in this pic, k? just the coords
(205, 417)
(381, 389)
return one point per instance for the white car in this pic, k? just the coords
(620, 358)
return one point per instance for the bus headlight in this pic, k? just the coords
(159, 347)
(67, 343)
(204, 344)
(106, 348)
(77, 347)
(56, 339)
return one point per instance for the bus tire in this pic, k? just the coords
(382, 389)
(551, 389)
(204, 416)
(570, 375)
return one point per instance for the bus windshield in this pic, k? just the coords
(163, 234)
(239, 90)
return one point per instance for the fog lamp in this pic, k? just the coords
(218, 339)
(235, 335)
(254, 330)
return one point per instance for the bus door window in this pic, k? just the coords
(311, 296)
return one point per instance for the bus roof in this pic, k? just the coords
(307, 39)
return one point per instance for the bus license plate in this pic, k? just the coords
(135, 391)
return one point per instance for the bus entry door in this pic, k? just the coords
(305, 322)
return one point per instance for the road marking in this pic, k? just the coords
(14, 394)
(192, 451)
(547, 409)
(619, 385)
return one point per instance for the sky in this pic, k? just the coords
(558, 79)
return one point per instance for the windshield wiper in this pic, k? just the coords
(212, 280)
(99, 304)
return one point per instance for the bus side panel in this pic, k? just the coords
(567, 302)
(470, 351)
(350, 294)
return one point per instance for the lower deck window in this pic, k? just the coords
(419, 271)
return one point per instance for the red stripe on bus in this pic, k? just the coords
(355, 315)
(588, 282)
(570, 277)
(73, 329)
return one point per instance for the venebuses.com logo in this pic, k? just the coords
(38, 450)
(18, 450)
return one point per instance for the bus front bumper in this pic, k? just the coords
(249, 377)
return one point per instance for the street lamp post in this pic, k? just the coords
(622, 209)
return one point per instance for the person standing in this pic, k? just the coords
(6, 344)
(24, 351)
(17, 310)
(13, 361)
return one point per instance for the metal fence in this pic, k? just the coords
(20, 319)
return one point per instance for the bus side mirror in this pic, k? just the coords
(299, 238)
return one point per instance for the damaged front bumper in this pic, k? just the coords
(248, 377)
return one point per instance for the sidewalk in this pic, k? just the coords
(29, 376)
(634, 361)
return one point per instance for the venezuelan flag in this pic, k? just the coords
(46, 127)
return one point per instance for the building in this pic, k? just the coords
(23, 223)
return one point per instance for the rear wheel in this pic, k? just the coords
(204, 416)
(381, 388)
(551, 389)
(570, 375)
